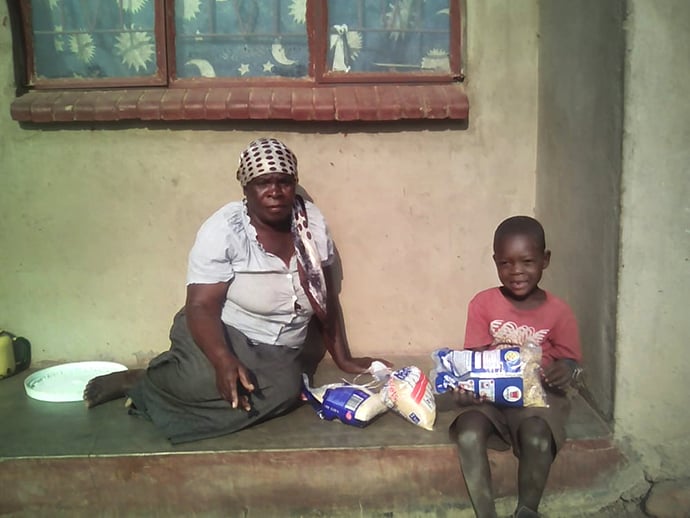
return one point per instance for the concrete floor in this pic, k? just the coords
(42, 443)
(34, 428)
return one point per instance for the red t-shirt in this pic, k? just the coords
(492, 319)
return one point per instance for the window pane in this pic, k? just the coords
(241, 38)
(94, 39)
(389, 36)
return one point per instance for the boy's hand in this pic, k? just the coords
(463, 397)
(559, 375)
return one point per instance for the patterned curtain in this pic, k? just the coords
(237, 38)
(93, 38)
(389, 36)
(241, 38)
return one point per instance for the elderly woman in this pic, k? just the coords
(257, 274)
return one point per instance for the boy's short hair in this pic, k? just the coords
(522, 226)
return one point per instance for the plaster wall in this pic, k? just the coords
(96, 222)
(654, 281)
(612, 187)
(579, 168)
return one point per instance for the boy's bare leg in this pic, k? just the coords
(473, 430)
(110, 386)
(536, 457)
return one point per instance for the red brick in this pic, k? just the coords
(346, 103)
(194, 105)
(281, 103)
(63, 108)
(171, 104)
(260, 103)
(389, 103)
(238, 103)
(324, 104)
(105, 105)
(20, 109)
(215, 103)
(127, 106)
(368, 103)
(412, 107)
(346, 107)
(458, 104)
(149, 105)
(436, 101)
(85, 106)
(42, 107)
(302, 104)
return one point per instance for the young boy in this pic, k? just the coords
(508, 315)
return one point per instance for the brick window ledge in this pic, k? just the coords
(323, 103)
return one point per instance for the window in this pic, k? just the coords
(239, 59)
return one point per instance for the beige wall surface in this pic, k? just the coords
(96, 222)
(579, 169)
(653, 330)
(613, 185)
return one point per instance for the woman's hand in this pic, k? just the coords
(558, 375)
(361, 365)
(231, 377)
(203, 313)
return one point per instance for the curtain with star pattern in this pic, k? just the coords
(86, 39)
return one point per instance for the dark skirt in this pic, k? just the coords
(179, 394)
(507, 421)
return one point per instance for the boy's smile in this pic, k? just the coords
(520, 263)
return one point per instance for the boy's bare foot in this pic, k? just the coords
(110, 386)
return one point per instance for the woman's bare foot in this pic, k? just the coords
(110, 386)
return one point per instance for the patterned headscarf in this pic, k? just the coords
(266, 156)
(269, 155)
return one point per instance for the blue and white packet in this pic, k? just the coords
(351, 404)
(508, 377)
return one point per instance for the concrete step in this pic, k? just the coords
(60, 459)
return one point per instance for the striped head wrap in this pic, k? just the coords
(266, 156)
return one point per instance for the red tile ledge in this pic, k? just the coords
(335, 103)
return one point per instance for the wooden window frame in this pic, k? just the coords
(323, 95)
(161, 79)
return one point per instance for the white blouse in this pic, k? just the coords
(265, 300)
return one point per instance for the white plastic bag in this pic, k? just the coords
(408, 392)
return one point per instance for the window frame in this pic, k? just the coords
(160, 79)
(321, 75)
(327, 95)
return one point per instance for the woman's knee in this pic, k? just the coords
(284, 393)
(292, 389)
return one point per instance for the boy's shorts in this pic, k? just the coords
(507, 421)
